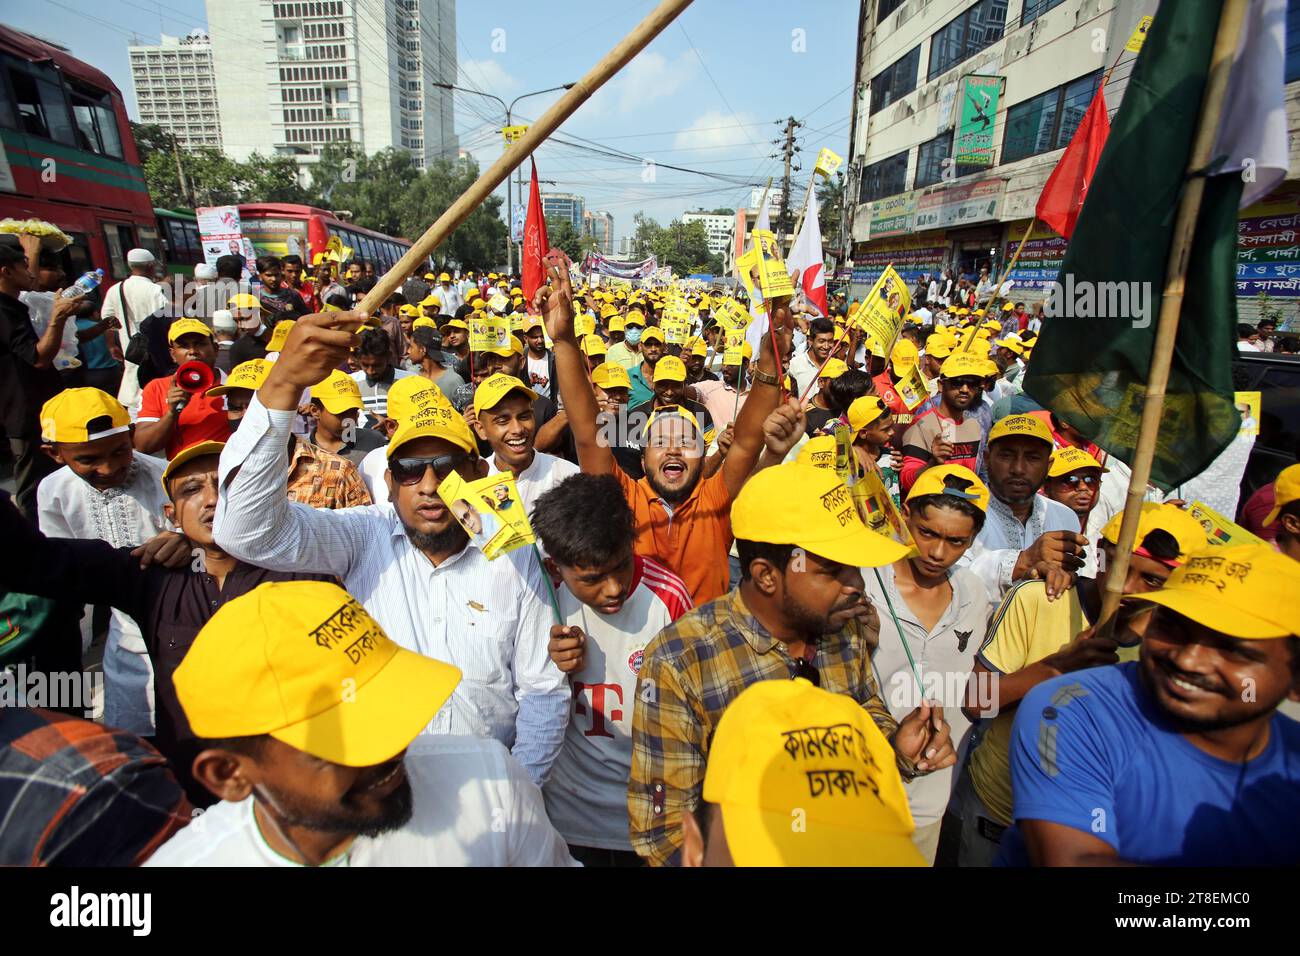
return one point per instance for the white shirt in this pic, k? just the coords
(449, 296)
(924, 314)
(143, 298)
(473, 806)
(373, 467)
(586, 796)
(545, 472)
(995, 552)
(803, 369)
(944, 657)
(539, 374)
(490, 618)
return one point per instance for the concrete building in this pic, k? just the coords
(599, 226)
(720, 230)
(293, 77)
(175, 88)
(564, 206)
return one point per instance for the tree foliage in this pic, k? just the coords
(208, 177)
(684, 246)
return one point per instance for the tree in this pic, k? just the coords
(644, 236)
(561, 235)
(682, 246)
(211, 178)
(372, 188)
(477, 243)
(722, 212)
(830, 206)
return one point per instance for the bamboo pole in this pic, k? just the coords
(627, 48)
(1189, 207)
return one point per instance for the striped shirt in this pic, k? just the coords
(490, 618)
(375, 395)
(586, 797)
(78, 794)
(690, 673)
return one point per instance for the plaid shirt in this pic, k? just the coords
(692, 670)
(78, 794)
(322, 479)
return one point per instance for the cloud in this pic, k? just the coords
(649, 77)
(716, 130)
(487, 75)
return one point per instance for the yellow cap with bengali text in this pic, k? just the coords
(250, 375)
(78, 415)
(339, 393)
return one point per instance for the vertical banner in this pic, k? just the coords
(973, 145)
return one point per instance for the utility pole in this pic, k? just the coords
(787, 152)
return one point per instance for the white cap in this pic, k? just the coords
(139, 257)
(205, 270)
(223, 320)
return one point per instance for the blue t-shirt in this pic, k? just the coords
(1092, 750)
(94, 352)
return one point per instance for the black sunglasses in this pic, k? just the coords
(966, 381)
(1073, 481)
(805, 669)
(409, 471)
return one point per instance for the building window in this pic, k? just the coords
(930, 164)
(1035, 9)
(885, 178)
(1047, 121)
(966, 34)
(895, 81)
(1292, 40)
(885, 7)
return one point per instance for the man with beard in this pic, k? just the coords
(311, 775)
(799, 611)
(283, 301)
(411, 564)
(1027, 534)
(1033, 639)
(681, 518)
(947, 434)
(169, 604)
(1181, 757)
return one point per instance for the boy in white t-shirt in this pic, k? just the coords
(613, 603)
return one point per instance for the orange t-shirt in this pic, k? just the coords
(692, 541)
(202, 419)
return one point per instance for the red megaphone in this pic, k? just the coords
(195, 378)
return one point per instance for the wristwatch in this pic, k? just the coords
(765, 378)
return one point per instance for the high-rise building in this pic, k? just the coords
(175, 89)
(719, 229)
(293, 77)
(564, 206)
(599, 226)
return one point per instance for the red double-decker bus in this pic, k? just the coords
(67, 155)
(279, 229)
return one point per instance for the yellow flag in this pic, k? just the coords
(827, 162)
(1134, 44)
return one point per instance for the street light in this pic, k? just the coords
(509, 109)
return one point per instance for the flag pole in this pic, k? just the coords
(1171, 302)
(613, 61)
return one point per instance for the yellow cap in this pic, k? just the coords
(1171, 519)
(698, 347)
(444, 277)
(865, 410)
(961, 364)
(251, 375)
(672, 411)
(1007, 307)
(197, 450)
(1011, 342)
(873, 346)
(83, 414)
(454, 324)
(593, 345)
(1246, 591)
(956, 480)
(434, 420)
(187, 327)
(818, 452)
(243, 300)
(529, 322)
(615, 323)
(280, 335)
(1286, 489)
(429, 276)
(608, 312)
(408, 310)
(634, 317)
(813, 509)
(492, 389)
(430, 300)
(610, 375)
(904, 357)
(785, 750)
(993, 324)
(304, 662)
(409, 394)
(670, 369)
(512, 346)
(339, 393)
(1027, 426)
(652, 334)
(1070, 458)
(424, 322)
(833, 369)
(938, 347)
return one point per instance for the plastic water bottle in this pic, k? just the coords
(85, 284)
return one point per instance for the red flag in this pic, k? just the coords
(1062, 198)
(535, 245)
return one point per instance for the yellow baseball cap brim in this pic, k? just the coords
(1214, 613)
(758, 837)
(381, 717)
(857, 546)
(338, 404)
(197, 450)
(435, 424)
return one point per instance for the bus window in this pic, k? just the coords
(193, 243)
(149, 240)
(75, 258)
(93, 112)
(119, 241)
(41, 107)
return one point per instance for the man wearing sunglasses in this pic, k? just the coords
(411, 565)
(1074, 479)
(947, 434)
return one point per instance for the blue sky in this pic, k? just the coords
(704, 95)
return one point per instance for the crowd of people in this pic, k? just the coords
(709, 657)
